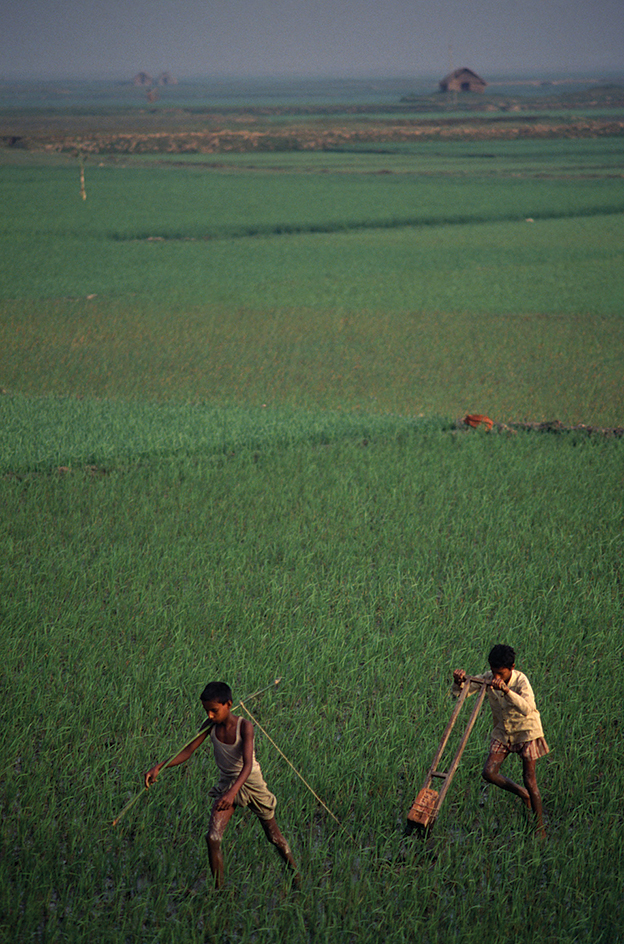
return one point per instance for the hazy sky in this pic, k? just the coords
(117, 38)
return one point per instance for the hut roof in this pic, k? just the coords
(462, 80)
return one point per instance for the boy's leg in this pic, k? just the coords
(218, 821)
(530, 782)
(273, 834)
(491, 773)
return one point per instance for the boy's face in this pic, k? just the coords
(217, 711)
(503, 673)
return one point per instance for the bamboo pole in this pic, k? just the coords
(290, 764)
(204, 728)
(83, 192)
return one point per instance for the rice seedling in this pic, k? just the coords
(362, 564)
(226, 475)
(437, 298)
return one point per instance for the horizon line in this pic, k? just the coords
(546, 74)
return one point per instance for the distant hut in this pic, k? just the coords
(165, 78)
(462, 80)
(142, 79)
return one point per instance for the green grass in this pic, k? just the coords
(525, 157)
(513, 367)
(554, 267)
(43, 434)
(135, 203)
(414, 292)
(236, 460)
(362, 566)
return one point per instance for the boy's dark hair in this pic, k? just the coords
(501, 657)
(217, 691)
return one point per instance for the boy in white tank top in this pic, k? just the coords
(240, 782)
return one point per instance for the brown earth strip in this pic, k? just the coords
(307, 137)
(549, 426)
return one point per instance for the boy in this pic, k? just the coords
(517, 726)
(241, 782)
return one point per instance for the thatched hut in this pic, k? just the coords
(165, 78)
(462, 80)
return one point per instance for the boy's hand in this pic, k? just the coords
(226, 801)
(151, 775)
(499, 684)
(459, 676)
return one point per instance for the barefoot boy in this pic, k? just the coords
(517, 726)
(240, 783)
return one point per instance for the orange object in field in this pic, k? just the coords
(474, 419)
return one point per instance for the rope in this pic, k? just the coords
(257, 723)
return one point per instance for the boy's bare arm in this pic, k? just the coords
(247, 738)
(459, 677)
(185, 753)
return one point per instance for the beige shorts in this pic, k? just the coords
(255, 796)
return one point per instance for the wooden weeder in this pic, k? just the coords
(426, 806)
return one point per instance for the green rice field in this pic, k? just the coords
(484, 287)
(230, 449)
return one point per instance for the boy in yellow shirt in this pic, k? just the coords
(517, 726)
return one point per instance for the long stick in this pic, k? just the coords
(280, 751)
(206, 726)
